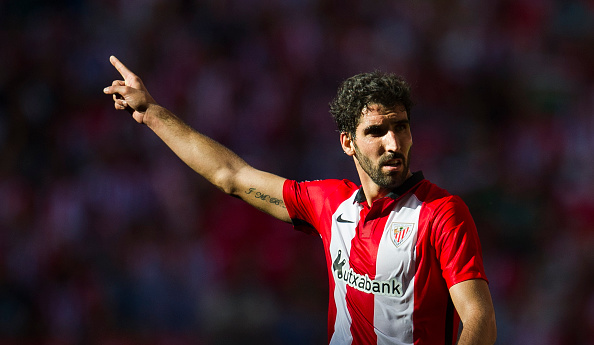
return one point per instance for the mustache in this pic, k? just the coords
(392, 156)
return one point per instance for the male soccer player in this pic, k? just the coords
(403, 255)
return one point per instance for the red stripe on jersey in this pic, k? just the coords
(331, 305)
(321, 218)
(443, 277)
(363, 259)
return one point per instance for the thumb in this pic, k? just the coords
(120, 92)
(115, 89)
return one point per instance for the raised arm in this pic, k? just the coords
(213, 161)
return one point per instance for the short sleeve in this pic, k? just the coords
(457, 243)
(299, 206)
(310, 202)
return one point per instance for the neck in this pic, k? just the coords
(373, 191)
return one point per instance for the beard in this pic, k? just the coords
(385, 180)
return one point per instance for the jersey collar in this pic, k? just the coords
(398, 191)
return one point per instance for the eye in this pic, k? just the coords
(401, 126)
(376, 131)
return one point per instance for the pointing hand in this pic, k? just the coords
(129, 94)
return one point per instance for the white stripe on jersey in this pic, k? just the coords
(393, 315)
(340, 244)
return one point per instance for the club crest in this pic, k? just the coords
(400, 232)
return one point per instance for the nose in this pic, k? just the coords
(391, 142)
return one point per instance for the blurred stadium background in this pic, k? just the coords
(107, 238)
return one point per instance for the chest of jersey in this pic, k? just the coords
(373, 249)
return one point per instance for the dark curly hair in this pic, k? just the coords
(362, 90)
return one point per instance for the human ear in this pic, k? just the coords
(347, 143)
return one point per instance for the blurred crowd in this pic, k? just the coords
(107, 238)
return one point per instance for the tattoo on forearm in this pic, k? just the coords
(265, 197)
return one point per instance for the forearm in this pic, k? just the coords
(207, 157)
(213, 161)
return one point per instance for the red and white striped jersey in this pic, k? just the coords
(389, 265)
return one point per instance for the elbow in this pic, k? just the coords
(480, 329)
(224, 181)
(489, 334)
(227, 190)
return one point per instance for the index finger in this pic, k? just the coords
(124, 71)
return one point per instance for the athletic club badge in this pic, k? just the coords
(400, 232)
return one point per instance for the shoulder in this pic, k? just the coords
(317, 194)
(307, 202)
(321, 187)
(439, 202)
(432, 195)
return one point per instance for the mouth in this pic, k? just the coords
(393, 164)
